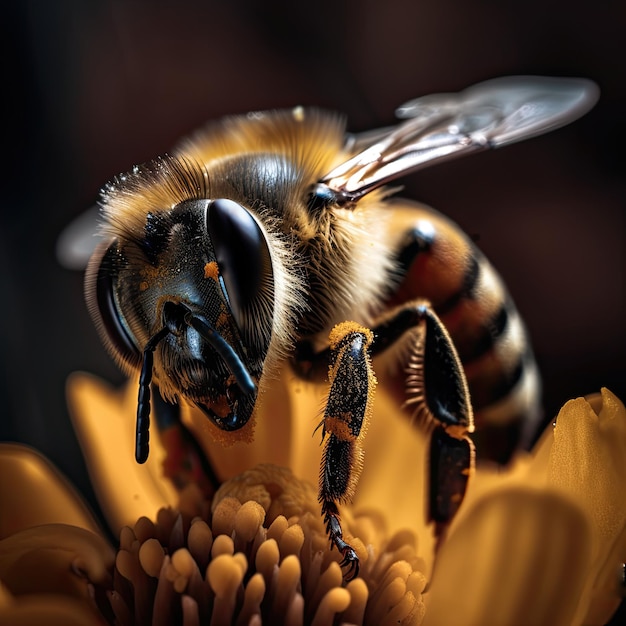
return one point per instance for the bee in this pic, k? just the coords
(273, 240)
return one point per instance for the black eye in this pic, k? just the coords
(242, 255)
(100, 284)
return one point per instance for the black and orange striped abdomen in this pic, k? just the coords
(441, 264)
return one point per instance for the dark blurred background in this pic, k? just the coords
(93, 87)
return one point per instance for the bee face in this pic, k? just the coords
(199, 272)
(208, 252)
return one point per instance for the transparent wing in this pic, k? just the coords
(440, 127)
(78, 240)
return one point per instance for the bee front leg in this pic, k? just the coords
(352, 384)
(437, 388)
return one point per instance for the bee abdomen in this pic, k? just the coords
(442, 265)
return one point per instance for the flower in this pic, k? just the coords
(540, 542)
(266, 558)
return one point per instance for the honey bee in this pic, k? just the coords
(272, 240)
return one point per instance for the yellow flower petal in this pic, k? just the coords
(33, 492)
(588, 462)
(104, 422)
(518, 557)
(46, 610)
(50, 568)
(608, 588)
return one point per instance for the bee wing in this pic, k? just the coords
(440, 127)
(78, 240)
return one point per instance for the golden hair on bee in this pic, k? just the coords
(156, 186)
(311, 138)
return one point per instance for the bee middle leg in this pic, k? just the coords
(352, 384)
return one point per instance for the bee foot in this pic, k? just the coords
(351, 563)
(350, 559)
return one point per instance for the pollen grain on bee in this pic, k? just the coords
(211, 270)
(340, 427)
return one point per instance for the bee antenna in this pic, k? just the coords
(231, 358)
(142, 429)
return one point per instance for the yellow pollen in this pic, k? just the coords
(211, 270)
(339, 426)
(345, 328)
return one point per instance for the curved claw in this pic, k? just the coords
(335, 534)
(351, 562)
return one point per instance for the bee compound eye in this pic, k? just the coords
(100, 281)
(242, 255)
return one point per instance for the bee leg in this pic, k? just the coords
(437, 388)
(451, 464)
(352, 384)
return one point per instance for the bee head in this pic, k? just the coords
(196, 288)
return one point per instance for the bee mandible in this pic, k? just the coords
(273, 240)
